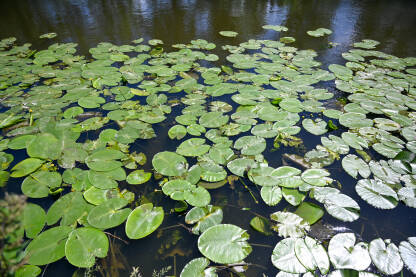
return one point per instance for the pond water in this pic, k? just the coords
(88, 23)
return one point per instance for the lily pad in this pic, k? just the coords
(284, 257)
(177, 132)
(317, 127)
(84, 245)
(224, 244)
(344, 253)
(193, 147)
(109, 214)
(408, 253)
(198, 268)
(48, 247)
(169, 163)
(312, 255)
(34, 218)
(143, 221)
(250, 145)
(204, 218)
(377, 193)
(386, 257)
(138, 177)
(354, 165)
(228, 33)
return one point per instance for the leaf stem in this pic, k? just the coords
(251, 193)
(114, 236)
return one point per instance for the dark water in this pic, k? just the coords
(87, 23)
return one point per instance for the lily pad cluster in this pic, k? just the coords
(78, 122)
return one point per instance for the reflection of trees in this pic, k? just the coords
(393, 24)
(177, 21)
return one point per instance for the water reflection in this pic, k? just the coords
(176, 21)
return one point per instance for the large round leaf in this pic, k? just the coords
(197, 197)
(143, 220)
(169, 163)
(271, 195)
(109, 214)
(44, 146)
(355, 120)
(193, 147)
(250, 145)
(177, 132)
(316, 177)
(37, 185)
(104, 160)
(408, 253)
(26, 167)
(213, 119)
(224, 244)
(344, 253)
(48, 247)
(241, 165)
(69, 207)
(212, 172)
(198, 268)
(138, 177)
(377, 193)
(290, 224)
(176, 188)
(264, 176)
(284, 257)
(34, 218)
(386, 258)
(204, 217)
(354, 165)
(317, 127)
(84, 244)
(312, 255)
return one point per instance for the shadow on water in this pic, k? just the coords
(179, 21)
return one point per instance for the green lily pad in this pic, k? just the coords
(38, 184)
(354, 165)
(193, 147)
(169, 163)
(230, 34)
(197, 197)
(48, 247)
(345, 254)
(212, 172)
(386, 257)
(34, 218)
(204, 218)
(109, 214)
(284, 257)
(317, 127)
(44, 146)
(250, 145)
(290, 224)
(84, 245)
(198, 268)
(143, 221)
(69, 208)
(213, 119)
(320, 32)
(138, 177)
(312, 255)
(241, 165)
(408, 253)
(104, 160)
(224, 244)
(177, 132)
(377, 193)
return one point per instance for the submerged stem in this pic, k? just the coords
(252, 195)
